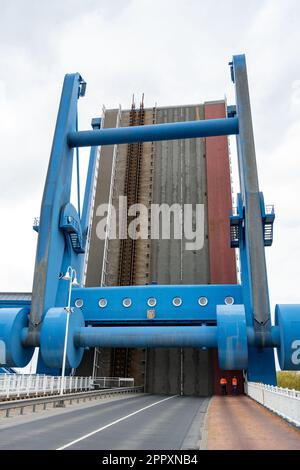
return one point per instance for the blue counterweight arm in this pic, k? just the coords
(254, 272)
(53, 253)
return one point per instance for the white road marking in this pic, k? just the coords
(114, 422)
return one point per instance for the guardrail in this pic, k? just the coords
(25, 385)
(59, 400)
(112, 382)
(283, 401)
(20, 385)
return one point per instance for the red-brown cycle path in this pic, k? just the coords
(239, 423)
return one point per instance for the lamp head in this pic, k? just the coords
(67, 276)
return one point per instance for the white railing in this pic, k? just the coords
(28, 385)
(283, 401)
(112, 382)
(21, 385)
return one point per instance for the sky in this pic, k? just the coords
(176, 53)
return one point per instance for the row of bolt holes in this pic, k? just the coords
(177, 301)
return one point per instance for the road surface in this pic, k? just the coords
(140, 422)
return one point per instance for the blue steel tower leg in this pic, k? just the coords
(42, 368)
(54, 251)
(261, 366)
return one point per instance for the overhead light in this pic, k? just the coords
(78, 303)
(229, 300)
(203, 301)
(127, 302)
(75, 282)
(151, 302)
(102, 303)
(177, 301)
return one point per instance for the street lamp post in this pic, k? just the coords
(71, 277)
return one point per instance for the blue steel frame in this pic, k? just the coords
(242, 332)
(261, 364)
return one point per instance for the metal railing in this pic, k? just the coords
(112, 382)
(269, 209)
(36, 221)
(60, 400)
(20, 385)
(109, 214)
(283, 401)
(14, 386)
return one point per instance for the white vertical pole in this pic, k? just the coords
(28, 385)
(7, 385)
(65, 350)
(44, 384)
(19, 382)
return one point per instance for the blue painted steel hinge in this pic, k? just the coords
(70, 224)
(231, 111)
(36, 224)
(236, 223)
(82, 88)
(232, 71)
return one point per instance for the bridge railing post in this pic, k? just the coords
(7, 386)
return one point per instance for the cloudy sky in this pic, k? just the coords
(174, 52)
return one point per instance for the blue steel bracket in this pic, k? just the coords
(268, 217)
(81, 88)
(70, 224)
(232, 337)
(104, 305)
(237, 222)
(287, 317)
(12, 350)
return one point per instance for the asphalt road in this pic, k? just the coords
(144, 422)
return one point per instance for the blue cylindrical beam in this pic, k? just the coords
(153, 133)
(160, 337)
(269, 340)
(147, 337)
